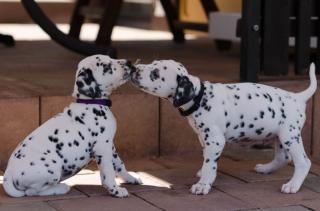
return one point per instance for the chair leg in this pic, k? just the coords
(209, 6)
(172, 16)
(7, 40)
(109, 18)
(77, 19)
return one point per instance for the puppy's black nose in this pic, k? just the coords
(131, 67)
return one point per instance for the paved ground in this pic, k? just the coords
(166, 183)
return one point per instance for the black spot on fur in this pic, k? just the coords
(81, 136)
(259, 131)
(228, 124)
(69, 112)
(79, 120)
(154, 74)
(76, 143)
(102, 129)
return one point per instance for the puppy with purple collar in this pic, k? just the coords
(221, 113)
(66, 143)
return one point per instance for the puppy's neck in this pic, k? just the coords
(104, 95)
(197, 86)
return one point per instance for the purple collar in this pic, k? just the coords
(104, 102)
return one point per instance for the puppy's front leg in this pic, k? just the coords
(214, 142)
(121, 169)
(103, 157)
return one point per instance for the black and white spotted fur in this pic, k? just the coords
(66, 143)
(230, 112)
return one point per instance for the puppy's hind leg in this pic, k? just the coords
(56, 189)
(121, 170)
(281, 158)
(292, 142)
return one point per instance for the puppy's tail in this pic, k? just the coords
(306, 94)
(9, 186)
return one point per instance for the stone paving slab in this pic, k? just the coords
(103, 203)
(186, 177)
(166, 184)
(267, 194)
(312, 204)
(313, 183)
(315, 167)
(35, 206)
(244, 170)
(288, 208)
(181, 199)
(90, 184)
(192, 162)
(5, 199)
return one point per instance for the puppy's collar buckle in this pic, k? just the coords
(104, 102)
(197, 99)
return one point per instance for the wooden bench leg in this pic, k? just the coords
(109, 18)
(172, 16)
(77, 19)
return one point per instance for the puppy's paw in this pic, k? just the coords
(200, 188)
(132, 178)
(263, 168)
(290, 187)
(119, 192)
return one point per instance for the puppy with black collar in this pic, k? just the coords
(66, 143)
(221, 113)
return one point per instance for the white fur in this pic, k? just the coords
(231, 112)
(66, 143)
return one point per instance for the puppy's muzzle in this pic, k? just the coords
(129, 70)
(131, 67)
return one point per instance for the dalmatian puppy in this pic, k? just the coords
(66, 143)
(221, 113)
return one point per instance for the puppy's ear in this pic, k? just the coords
(87, 84)
(184, 92)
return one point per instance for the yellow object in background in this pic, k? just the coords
(192, 11)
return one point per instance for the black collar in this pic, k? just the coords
(104, 102)
(196, 104)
